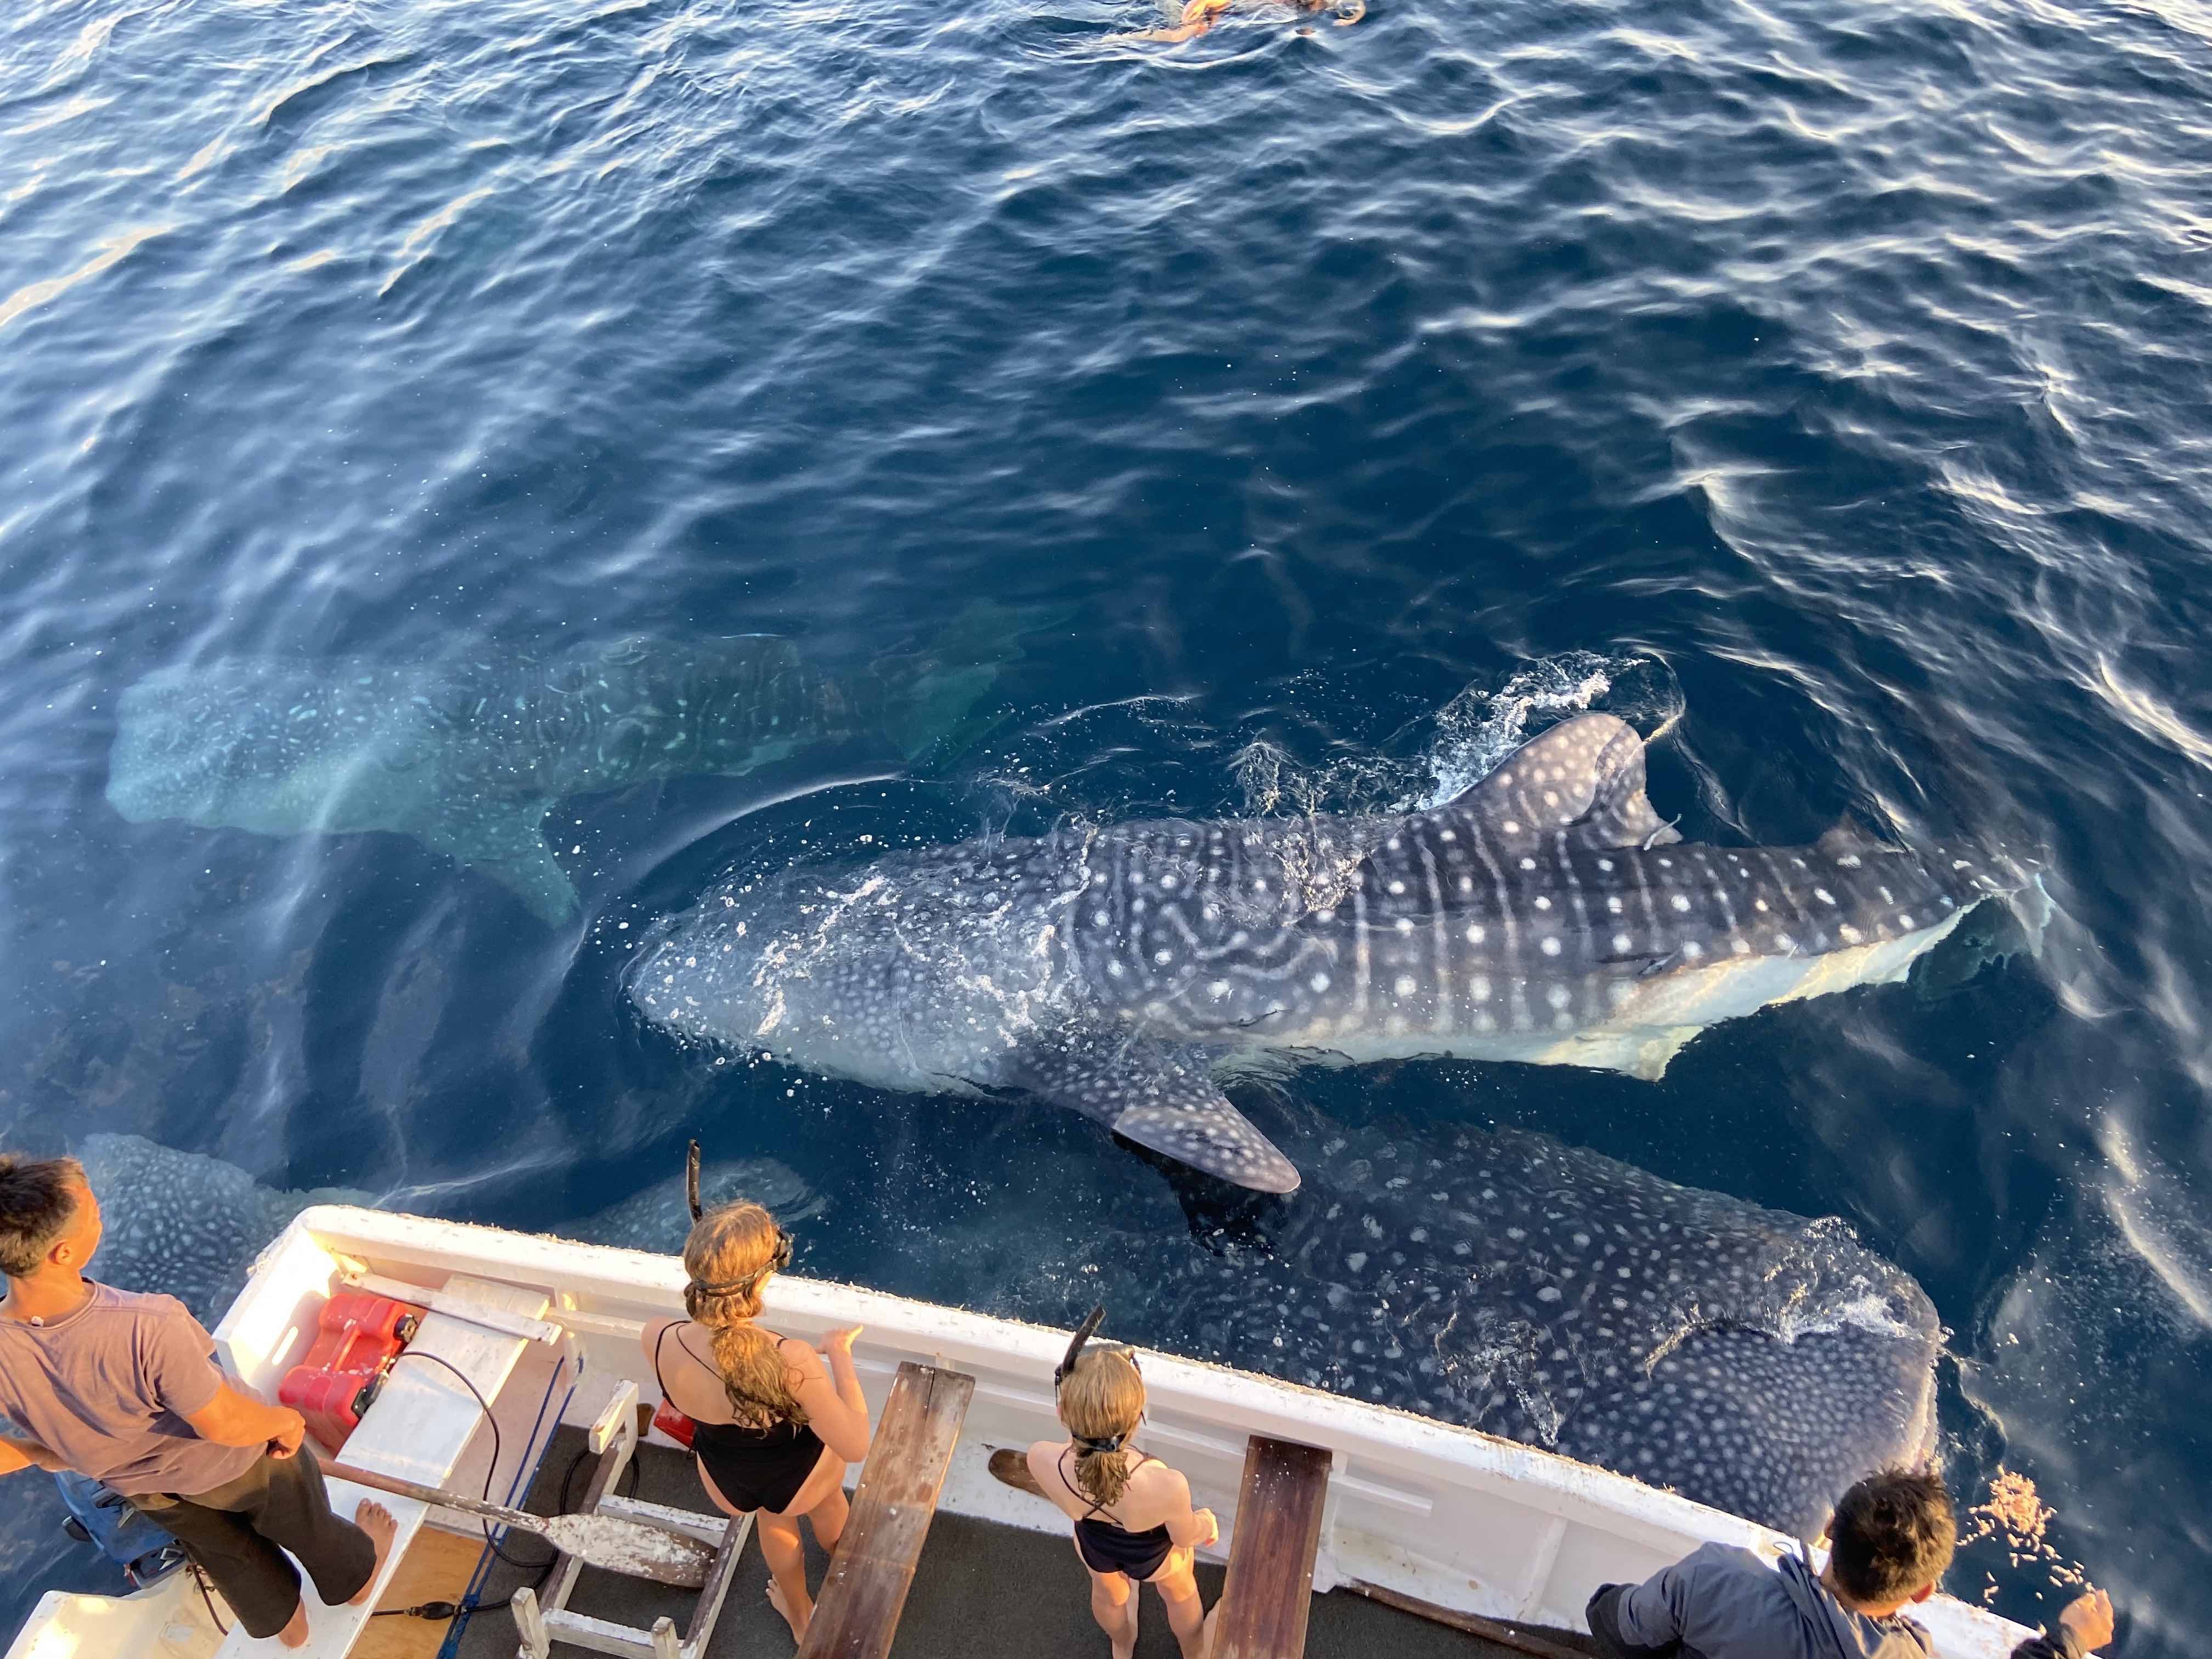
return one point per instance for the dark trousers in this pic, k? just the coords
(238, 1531)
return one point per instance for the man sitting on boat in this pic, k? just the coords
(122, 1387)
(1889, 1544)
(772, 1428)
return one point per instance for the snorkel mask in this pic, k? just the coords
(777, 1261)
(1083, 1332)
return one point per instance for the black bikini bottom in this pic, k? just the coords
(1106, 1547)
(756, 1473)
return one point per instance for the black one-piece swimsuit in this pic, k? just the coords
(1106, 1546)
(754, 1469)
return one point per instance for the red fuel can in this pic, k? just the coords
(356, 1338)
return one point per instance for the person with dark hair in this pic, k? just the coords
(1889, 1543)
(123, 1387)
(773, 1422)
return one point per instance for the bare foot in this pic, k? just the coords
(373, 1518)
(294, 1635)
(798, 1622)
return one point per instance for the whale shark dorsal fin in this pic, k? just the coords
(1584, 776)
(506, 841)
(1156, 1094)
(1843, 838)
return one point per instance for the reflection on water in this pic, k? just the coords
(1823, 383)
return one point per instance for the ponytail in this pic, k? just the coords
(730, 1256)
(1101, 1400)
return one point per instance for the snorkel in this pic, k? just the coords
(1089, 1444)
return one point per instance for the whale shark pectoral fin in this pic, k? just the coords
(506, 841)
(1584, 776)
(1206, 1132)
(1158, 1097)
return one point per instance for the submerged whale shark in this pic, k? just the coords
(1746, 1358)
(183, 1223)
(1545, 914)
(469, 757)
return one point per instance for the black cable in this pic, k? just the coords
(200, 1578)
(424, 1610)
(543, 1569)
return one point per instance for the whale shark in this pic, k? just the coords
(1751, 1360)
(1544, 915)
(469, 757)
(183, 1223)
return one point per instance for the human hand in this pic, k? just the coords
(2089, 1616)
(1212, 1534)
(286, 1441)
(840, 1340)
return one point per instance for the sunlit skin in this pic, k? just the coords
(826, 1385)
(231, 1419)
(2088, 1615)
(1155, 1496)
(1199, 15)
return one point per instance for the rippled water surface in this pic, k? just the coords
(1823, 386)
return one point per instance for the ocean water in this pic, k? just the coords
(1823, 387)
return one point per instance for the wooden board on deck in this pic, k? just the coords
(437, 1569)
(1269, 1594)
(866, 1590)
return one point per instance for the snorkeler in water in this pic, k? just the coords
(1199, 15)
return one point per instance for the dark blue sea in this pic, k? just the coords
(1823, 387)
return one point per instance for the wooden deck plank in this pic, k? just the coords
(436, 1569)
(866, 1587)
(1269, 1594)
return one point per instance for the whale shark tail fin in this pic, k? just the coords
(1159, 1095)
(934, 702)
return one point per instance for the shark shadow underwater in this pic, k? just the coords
(1746, 1357)
(1545, 914)
(469, 757)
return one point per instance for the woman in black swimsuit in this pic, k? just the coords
(1134, 1521)
(773, 1428)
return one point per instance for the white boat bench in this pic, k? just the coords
(419, 1429)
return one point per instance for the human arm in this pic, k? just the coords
(1188, 1527)
(836, 1409)
(234, 1418)
(22, 1452)
(2085, 1626)
(176, 1370)
(1652, 1619)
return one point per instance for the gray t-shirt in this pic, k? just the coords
(108, 1388)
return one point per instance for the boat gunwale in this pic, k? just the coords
(1384, 1440)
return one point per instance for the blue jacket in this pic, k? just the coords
(1720, 1602)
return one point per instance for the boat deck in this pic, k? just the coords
(982, 1590)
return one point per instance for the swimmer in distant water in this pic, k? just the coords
(1199, 15)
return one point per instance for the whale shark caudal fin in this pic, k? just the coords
(1158, 1095)
(506, 841)
(1584, 776)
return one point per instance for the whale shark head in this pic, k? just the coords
(272, 746)
(183, 1223)
(1748, 1358)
